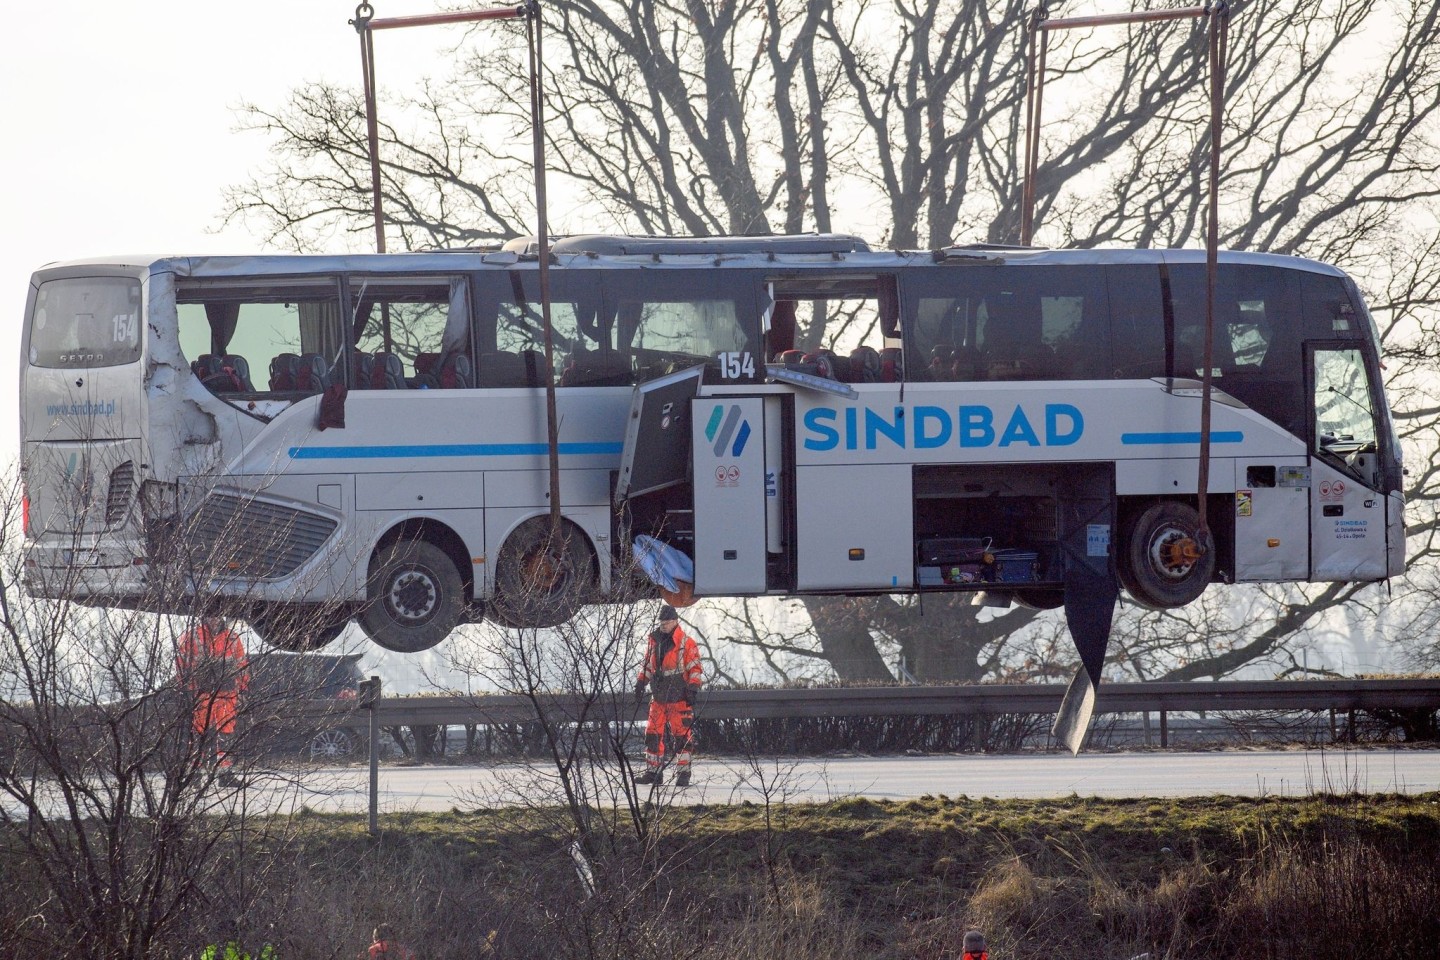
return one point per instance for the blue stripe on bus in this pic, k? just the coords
(1145, 439)
(450, 450)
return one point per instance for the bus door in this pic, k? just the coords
(1348, 507)
(1272, 519)
(733, 487)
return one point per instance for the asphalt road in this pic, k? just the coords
(717, 781)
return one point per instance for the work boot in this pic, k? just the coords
(682, 779)
(648, 777)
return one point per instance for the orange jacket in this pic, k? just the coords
(210, 662)
(671, 665)
(390, 950)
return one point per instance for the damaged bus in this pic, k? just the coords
(317, 439)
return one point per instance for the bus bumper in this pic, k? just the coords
(83, 570)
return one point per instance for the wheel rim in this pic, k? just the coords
(1172, 553)
(543, 572)
(330, 744)
(414, 596)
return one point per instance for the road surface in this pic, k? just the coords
(1238, 773)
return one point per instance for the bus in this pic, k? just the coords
(320, 439)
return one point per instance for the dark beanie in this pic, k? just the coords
(667, 612)
(974, 941)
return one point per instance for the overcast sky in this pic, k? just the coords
(119, 124)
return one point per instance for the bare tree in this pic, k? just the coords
(126, 832)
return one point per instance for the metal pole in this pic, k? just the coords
(459, 16)
(371, 693)
(1113, 19)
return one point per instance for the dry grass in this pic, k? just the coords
(1270, 878)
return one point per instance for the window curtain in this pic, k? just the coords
(222, 318)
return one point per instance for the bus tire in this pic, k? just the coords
(540, 586)
(1152, 568)
(298, 627)
(415, 596)
(1040, 599)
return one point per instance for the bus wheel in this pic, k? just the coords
(415, 596)
(539, 584)
(1040, 599)
(298, 627)
(1161, 565)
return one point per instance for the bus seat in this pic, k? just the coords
(455, 373)
(500, 369)
(239, 368)
(1013, 347)
(829, 365)
(284, 372)
(312, 373)
(942, 362)
(218, 375)
(427, 372)
(361, 364)
(597, 368)
(892, 365)
(387, 372)
(967, 364)
(864, 365)
(534, 363)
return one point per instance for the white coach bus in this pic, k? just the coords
(364, 436)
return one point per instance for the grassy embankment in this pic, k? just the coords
(1317, 877)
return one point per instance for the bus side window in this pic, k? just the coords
(511, 331)
(1257, 354)
(846, 328)
(669, 320)
(1137, 321)
(1329, 314)
(1044, 322)
(261, 339)
(409, 334)
(1010, 337)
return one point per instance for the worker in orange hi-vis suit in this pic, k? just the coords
(974, 946)
(211, 666)
(386, 947)
(672, 672)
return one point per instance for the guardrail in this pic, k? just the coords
(978, 699)
(982, 699)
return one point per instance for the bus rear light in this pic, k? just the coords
(25, 513)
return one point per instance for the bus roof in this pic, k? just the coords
(810, 250)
